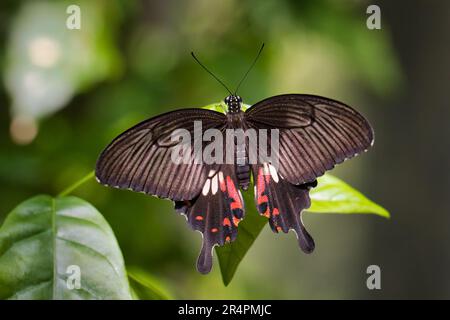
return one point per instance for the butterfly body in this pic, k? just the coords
(236, 120)
(315, 134)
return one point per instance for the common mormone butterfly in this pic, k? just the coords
(315, 134)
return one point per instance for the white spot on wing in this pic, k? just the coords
(214, 185)
(211, 173)
(266, 169)
(273, 173)
(206, 187)
(221, 180)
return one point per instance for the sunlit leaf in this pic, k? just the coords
(222, 107)
(147, 287)
(333, 195)
(45, 239)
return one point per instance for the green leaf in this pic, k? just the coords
(330, 196)
(44, 238)
(222, 107)
(333, 195)
(147, 287)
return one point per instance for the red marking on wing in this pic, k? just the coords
(214, 230)
(235, 205)
(236, 221)
(275, 212)
(228, 239)
(199, 218)
(260, 185)
(226, 222)
(233, 194)
(260, 188)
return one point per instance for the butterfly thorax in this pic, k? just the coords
(233, 103)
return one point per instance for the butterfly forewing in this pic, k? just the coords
(315, 133)
(140, 158)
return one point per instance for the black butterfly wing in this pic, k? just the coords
(282, 203)
(316, 133)
(216, 212)
(140, 158)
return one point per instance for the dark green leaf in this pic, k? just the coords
(147, 287)
(45, 239)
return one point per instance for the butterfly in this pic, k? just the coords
(315, 134)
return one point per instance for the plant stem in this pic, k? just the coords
(77, 184)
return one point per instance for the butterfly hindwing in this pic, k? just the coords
(282, 203)
(216, 212)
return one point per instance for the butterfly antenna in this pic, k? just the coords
(212, 74)
(251, 67)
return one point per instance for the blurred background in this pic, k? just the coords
(64, 94)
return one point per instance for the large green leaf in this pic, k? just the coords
(330, 196)
(45, 239)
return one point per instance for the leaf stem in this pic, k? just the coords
(77, 184)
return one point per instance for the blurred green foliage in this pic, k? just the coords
(47, 63)
(135, 64)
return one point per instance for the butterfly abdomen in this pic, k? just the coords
(242, 166)
(243, 175)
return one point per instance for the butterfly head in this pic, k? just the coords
(233, 103)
